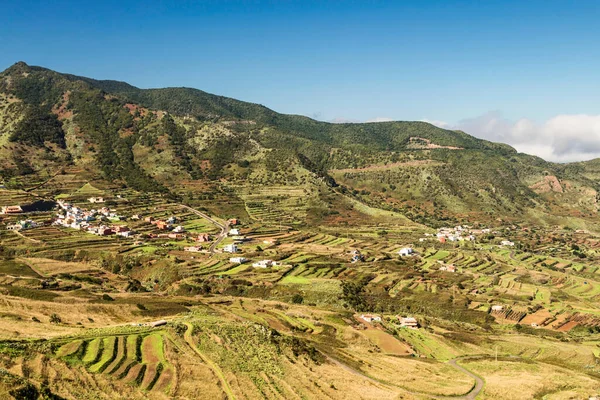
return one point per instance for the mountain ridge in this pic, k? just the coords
(156, 139)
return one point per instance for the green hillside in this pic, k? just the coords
(159, 140)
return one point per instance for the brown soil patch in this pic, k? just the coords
(568, 326)
(550, 183)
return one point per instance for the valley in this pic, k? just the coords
(169, 243)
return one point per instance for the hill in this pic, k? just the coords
(170, 243)
(161, 139)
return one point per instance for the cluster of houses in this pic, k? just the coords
(404, 322)
(22, 225)
(79, 218)
(457, 234)
(166, 225)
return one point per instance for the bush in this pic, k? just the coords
(297, 299)
(55, 319)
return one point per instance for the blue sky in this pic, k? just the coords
(459, 63)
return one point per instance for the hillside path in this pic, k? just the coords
(214, 367)
(223, 227)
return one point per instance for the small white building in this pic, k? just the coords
(231, 248)
(96, 199)
(265, 264)
(193, 249)
(238, 260)
(406, 251)
(448, 268)
(371, 318)
(179, 229)
(234, 232)
(507, 243)
(497, 308)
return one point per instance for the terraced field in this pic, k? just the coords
(136, 359)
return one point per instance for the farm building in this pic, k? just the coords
(230, 248)
(203, 237)
(406, 251)
(233, 221)
(179, 229)
(265, 264)
(408, 322)
(162, 225)
(448, 268)
(497, 308)
(507, 243)
(12, 210)
(193, 249)
(371, 317)
(357, 257)
(238, 260)
(234, 232)
(96, 200)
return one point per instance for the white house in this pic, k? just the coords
(234, 232)
(179, 229)
(371, 317)
(238, 260)
(265, 264)
(448, 268)
(230, 248)
(497, 308)
(96, 200)
(406, 251)
(193, 249)
(507, 243)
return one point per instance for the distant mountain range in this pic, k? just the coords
(161, 140)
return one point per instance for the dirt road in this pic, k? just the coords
(223, 227)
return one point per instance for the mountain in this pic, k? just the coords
(160, 140)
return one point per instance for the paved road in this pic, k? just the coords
(471, 395)
(223, 227)
(214, 367)
(478, 382)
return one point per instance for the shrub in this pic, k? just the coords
(297, 299)
(55, 319)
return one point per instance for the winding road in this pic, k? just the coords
(223, 227)
(471, 395)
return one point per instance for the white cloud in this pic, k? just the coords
(380, 119)
(563, 138)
